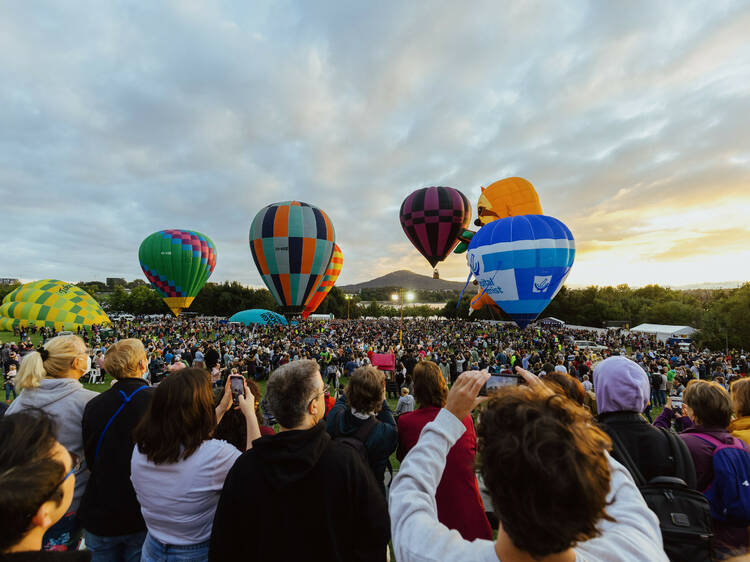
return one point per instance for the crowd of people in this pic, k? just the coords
(174, 462)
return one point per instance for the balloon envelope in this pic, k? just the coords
(508, 197)
(50, 303)
(521, 263)
(259, 316)
(432, 218)
(177, 263)
(292, 244)
(332, 273)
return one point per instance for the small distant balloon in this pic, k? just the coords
(332, 273)
(177, 263)
(433, 218)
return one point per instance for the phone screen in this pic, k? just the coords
(497, 382)
(237, 383)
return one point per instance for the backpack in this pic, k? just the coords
(356, 441)
(729, 493)
(684, 514)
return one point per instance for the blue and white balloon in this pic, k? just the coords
(521, 262)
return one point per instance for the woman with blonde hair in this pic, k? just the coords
(740, 426)
(48, 381)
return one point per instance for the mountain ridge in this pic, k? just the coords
(407, 280)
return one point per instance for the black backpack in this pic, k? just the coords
(656, 381)
(684, 514)
(356, 441)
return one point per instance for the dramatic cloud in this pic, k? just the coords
(630, 119)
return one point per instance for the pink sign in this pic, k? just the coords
(384, 361)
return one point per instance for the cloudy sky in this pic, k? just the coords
(117, 119)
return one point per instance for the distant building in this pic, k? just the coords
(9, 281)
(115, 281)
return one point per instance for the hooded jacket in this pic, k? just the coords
(622, 392)
(299, 495)
(381, 442)
(64, 401)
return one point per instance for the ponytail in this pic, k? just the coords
(31, 373)
(53, 360)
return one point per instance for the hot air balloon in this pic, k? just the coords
(292, 244)
(508, 197)
(521, 262)
(432, 218)
(332, 273)
(50, 303)
(177, 263)
(259, 316)
(481, 300)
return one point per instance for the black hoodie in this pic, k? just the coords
(298, 495)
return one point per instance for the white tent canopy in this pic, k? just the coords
(665, 331)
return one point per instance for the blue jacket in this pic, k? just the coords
(381, 442)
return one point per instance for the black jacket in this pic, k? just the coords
(647, 446)
(298, 495)
(109, 506)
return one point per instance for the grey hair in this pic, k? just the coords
(290, 389)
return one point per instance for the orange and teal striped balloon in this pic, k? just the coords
(332, 273)
(292, 244)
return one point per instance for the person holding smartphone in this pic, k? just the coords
(178, 468)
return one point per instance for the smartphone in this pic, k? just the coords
(677, 404)
(497, 382)
(237, 384)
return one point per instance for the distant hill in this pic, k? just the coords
(407, 280)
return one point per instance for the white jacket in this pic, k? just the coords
(418, 536)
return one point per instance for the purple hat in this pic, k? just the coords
(621, 385)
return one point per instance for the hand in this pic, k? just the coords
(669, 402)
(226, 399)
(463, 395)
(247, 403)
(531, 379)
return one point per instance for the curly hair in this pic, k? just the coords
(366, 389)
(430, 388)
(544, 463)
(567, 385)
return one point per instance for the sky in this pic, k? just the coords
(118, 119)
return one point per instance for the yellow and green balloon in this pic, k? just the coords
(50, 303)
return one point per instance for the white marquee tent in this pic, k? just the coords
(664, 331)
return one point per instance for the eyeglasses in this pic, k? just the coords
(321, 393)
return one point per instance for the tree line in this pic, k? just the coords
(723, 315)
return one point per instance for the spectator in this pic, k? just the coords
(587, 386)
(314, 493)
(37, 482)
(48, 380)
(10, 382)
(233, 427)
(622, 392)
(364, 403)
(177, 469)
(109, 510)
(740, 426)
(709, 407)
(459, 504)
(566, 497)
(405, 403)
